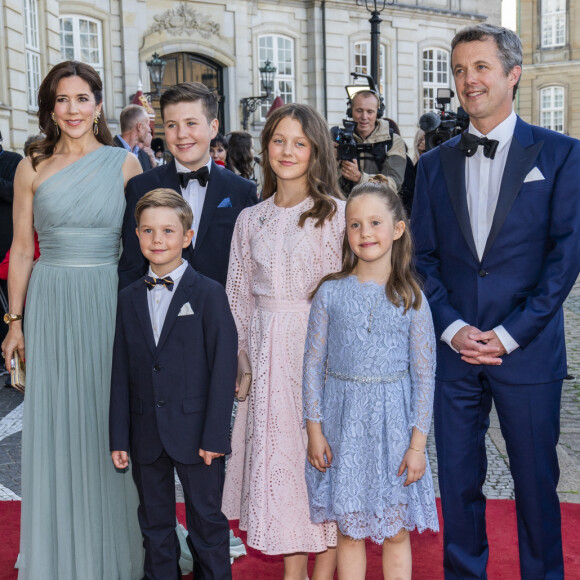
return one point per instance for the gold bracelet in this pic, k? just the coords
(415, 449)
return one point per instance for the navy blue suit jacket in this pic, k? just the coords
(177, 395)
(531, 259)
(216, 227)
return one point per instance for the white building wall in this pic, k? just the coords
(133, 30)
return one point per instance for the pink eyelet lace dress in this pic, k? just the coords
(274, 265)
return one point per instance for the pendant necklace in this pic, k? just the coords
(369, 327)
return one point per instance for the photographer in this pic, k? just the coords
(369, 129)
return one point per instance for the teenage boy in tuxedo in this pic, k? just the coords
(189, 113)
(172, 391)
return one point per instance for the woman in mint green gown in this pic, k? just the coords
(79, 516)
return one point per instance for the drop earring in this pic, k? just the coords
(96, 125)
(57, 128)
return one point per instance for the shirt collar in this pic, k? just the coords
(135, 149)
(175, 275)
(502, 133)
(182, 169)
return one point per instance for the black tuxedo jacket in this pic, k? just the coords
(141, 155)
(177, 395)
(530, 262)
(211, 254)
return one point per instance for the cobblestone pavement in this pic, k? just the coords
(499, 484)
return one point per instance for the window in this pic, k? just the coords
(32, 43)
(279, 50)
(435, 75)
(362, 63)
(552, 108)
(81, 39)
(553, 23)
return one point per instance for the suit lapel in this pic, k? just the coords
(170, 178)
(522, 154)
(181, 296)
(142, 311)
(213, 197)
(453, 164)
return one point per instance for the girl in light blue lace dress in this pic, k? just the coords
(369, 372)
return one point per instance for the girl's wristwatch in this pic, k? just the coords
(8, 318)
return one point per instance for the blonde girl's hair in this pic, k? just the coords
(403, 286)
(322, 173)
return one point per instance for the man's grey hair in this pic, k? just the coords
(131, 115)
(508, 44)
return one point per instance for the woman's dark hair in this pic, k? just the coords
(30, 140)
(322, 174)
(44, 149)
(402, 285)
(240, 156)
(219, 139)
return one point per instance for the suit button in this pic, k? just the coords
(160, 404)
(483, 273)
(156, 368)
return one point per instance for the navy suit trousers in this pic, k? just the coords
(207, 526)
(529, 417)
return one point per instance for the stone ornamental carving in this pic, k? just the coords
(184, 20)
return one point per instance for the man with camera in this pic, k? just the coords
(496, 219)
(379, 150)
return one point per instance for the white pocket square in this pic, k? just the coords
(534, 175)
(185, 310)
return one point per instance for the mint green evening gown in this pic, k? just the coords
(79, 516)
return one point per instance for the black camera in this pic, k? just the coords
(442, 126)
(344, 137)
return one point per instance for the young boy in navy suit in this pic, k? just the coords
(172, 391)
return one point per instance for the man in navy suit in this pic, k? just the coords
(172, 391)
(217, 196)
(496, 220)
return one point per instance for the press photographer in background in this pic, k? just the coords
(375, 147)
(441, 126)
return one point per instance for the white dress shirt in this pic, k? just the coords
(194, 195)
(159, 298)
(482, 183)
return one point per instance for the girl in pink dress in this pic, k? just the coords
(281, 248)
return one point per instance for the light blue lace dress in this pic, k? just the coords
(369, 389)
(79, 516)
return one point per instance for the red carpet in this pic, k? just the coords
(427, 547)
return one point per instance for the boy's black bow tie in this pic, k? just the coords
(470, 142)
(152, 282)
(202, 176)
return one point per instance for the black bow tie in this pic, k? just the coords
(202, 176)
(152, 282)
(470, 142)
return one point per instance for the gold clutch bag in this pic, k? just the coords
(18, 373)
(244, 378)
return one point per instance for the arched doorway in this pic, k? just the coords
(185, 67)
